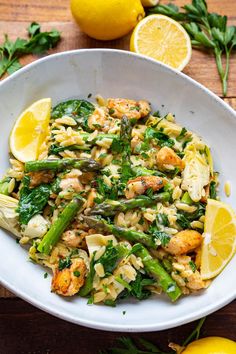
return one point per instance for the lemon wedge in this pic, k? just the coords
(163, 39)
(30, 130)
(219, 243)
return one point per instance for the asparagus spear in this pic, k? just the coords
(125, 139)
(85, 165)
(120, 232)
(143, 171)
(98, 137)
(154, 268)
(111, 207)
(88, 285)
(59, 226)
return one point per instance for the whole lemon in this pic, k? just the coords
(107, 19)
(211, 345)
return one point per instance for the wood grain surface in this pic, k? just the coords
(25, 329)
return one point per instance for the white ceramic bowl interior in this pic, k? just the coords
(114, 73)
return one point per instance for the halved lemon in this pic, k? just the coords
(219, 244)
(163, 39)
(30, 130)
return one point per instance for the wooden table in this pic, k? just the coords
(25, 329)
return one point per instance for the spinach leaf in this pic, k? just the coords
(184, 219)
(80, 110)
(32, 200)
(137, 288)
(109, 258)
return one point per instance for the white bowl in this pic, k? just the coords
(113, 73)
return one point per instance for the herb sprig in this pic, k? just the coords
(145, 347)
(207, 31)
(38, 43)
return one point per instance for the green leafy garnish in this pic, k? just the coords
(80, 110)
(137, 288)
(64, 263)
(193, 266)
(32, 200)
(207, 31)
(109, 258)
(38, 43)
(213, 193)
(163, 237)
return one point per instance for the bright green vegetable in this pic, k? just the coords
(85, 165)
(122, 233)
(32, 200)
(111, 207)
(155, 269)
(80, 110)
(125, 140)
(59, 226)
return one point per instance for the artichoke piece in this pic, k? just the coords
(196, 174)
(9, 218)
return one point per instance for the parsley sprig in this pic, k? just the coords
(207, 31)
(38, 43)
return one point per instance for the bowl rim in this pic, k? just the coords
(63, 314)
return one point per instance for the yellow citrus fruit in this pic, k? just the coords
(107, 19)
(211, 345)
(30, 130)
(219, 244)
(149, 3)
(163, 39)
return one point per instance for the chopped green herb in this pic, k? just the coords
(213, 193)
(182, 134)
(76, 273)
(123, 312)
(64, 263)
(109, 258)
(45, 275)
(193, 266)
(163, 219)
(162, 236)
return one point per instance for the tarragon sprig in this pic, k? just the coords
(207, 31)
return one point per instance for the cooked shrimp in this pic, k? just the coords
(140, 184)
(37, 178)
(132, 109)
(71, 183)
(167, 158)
(99, 120)
(68, 281)
(72, 238)
(184, 242)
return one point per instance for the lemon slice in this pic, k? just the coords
(163, 39)
(30, 130)
(219, 243)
